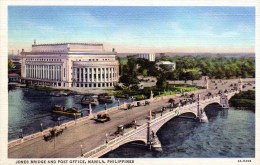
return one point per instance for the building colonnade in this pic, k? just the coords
(44, 72)
(95, 76)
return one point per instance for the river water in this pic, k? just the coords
(28, 111)
(229, 133)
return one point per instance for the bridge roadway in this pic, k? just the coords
(89, 134)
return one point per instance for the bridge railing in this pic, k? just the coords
(113, 142)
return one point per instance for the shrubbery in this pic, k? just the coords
(244, 100)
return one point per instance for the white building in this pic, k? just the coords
(148, 56)
(169, 64)
(70, 65)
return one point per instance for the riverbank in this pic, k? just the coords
(244, 100)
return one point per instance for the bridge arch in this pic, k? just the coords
(128, 140)
(161, 123)
(189, 114)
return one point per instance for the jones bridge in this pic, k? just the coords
(147, 132)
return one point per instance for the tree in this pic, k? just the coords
(129, 80)
(173, 76)
(10, 64)
(161, 82)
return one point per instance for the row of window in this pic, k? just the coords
(42, 59)
(94, 69)
(47, 59)
(95, 85)
(103, 59)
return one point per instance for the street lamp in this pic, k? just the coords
(106, 137)
(21, 131)
(58, 121)
(81, 150)
(41, 127)
(134, 122)
(118, 103)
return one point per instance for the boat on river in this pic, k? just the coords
(105, 98)
(69, 111)
(90, 99)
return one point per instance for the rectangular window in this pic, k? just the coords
(64, 72)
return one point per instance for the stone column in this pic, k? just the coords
(74, 76)
(43, 71)
(55, 73)
(28, 71)
(58, 73)
(84, 74)
(92, 75)
(48, 72)
(105, 75)
(51, 72)
(40, 71)
(112, 73)
(101, 74)
(36, 71)
(87, 74)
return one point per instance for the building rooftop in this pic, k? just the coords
(69, 43)
(165, 62)
(12, 74)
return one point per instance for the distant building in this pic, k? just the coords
(170, 65)
(148, 56)
(84, 65)
(13, 77)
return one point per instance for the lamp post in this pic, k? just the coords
(41, 127)
(90, 110)
(134, 122)
(59, 120)
(81, 150)
(106, 138)
(118, 103)
(21, 131)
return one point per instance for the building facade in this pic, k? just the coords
(148, 56)
(171, 65)
(83, 65)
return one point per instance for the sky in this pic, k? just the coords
(132, 29)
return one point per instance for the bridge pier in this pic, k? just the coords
(224, 101)
(153, 142)
(203, 117)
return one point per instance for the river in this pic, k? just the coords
(229, 133)
(28, 111)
